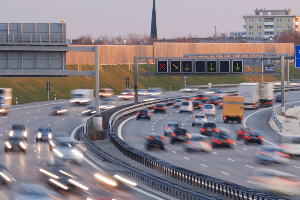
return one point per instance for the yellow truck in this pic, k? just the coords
(233, 108)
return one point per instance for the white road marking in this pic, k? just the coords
(38, 110)
(174, 151)
(214, 152)
(49, 124)
(183, 121)
(297, 167)
(245, 149)
(27, 112)
(186, 158)
(251, 182)
(249, 166)
(225, 173)
(62, 119)
(35, 118)
(153, 122)
(5, 117)
(46, 104)
(55, 122)
(203, 165)
(71, 116)
(38, 157)
(1, 134)
(14, 180)
(230, 159)
(121, 125)
(6, 131)
(16, 114)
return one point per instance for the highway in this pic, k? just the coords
(24, 168)
(235, 165)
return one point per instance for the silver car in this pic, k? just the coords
(199, 119)
(197, 142)
(169, 127)
(209, 109)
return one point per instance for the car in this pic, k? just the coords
(213, 100)
(186, 106)
(60, 176)
(156, 91)
(240, 133)
(209, 109)
(207, 128)
(277, 98)
(5, 177)
(189, 89)
(153, 98)
(91, 110)
(143, 114)
(221, 139)
(155, 142)
(160, 108)
(269, 154)
(16, 142)
(179, 135)
(59, 110)
(202, 97)
(169, 127)
(197, 142)
(291, 145)
(18, 130)
(43, 133)
(199, 119)
(106, 92)
(197, 105)
(253, 136)
(220, 104)
(33, 191)
(176, 103)
(65, 149)
(143, 92)
(126, 94)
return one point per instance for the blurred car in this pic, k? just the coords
(60, 176)
(143, 92)
(276, 181)
(156, 91)
(59, 134)
(155, 142)
(213, 100)
(197, 142)
(253, 136)
(170, 126)
(291, 145)
(106, 92)
(221, 139)
(277, 98)
(220, 104)
(197, 105)
(241, 132)
(64, 148)
(160, 108)
(209, 109)
(126, 94)
(202, 97)
(199, 119)
(186, 106)
(271, 154)
(43, 133)
(28, 191)
(189, 89)
(15, 143)
(5, 177)
(18, 130)
(143, 114)
(91, 110)
(177, 103)
(179, 135)
(153, 98)
(207, 128)
(59, 110)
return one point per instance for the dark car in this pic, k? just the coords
(18, 130)
(278, 98)
(15, 143)
(179, 135)
(43, 133)
(201, 97)
(269, 154)
(253, 136)
(197, 105)
(221, 139)
(143, 114)
(170, 126)
(155, 142)
(59, 110)
(160, 108)
(207, 128)
(213, 100)
(240, 133)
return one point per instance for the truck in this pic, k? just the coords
(233, 108)
(250, 92)
(266, 94)
(81, 96)
(5, 100)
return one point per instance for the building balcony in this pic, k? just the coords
(295, 23)
(268, 23)
(244, 30)
(269, 29)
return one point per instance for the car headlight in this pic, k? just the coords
(50, 135)
(5, 176)
(77, 153)
(23, 146)
(8, 145)
(78, 184)
(106, 180)
(25, 133)
(39, 135)
(125, 180)
(11, 133)
(58, 153)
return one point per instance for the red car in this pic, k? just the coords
(242, 131)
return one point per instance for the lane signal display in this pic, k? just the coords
(175, 66)
(212, 66)
(224, 66)
(187, 66)
(237, 66)
(162, 66)
(200, 66)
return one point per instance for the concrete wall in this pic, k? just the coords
(123, 54)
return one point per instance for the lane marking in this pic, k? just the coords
(297, 167)
(174, 151)
(121, 125)
(225, 173)
(251, 182)
(214, 152)
(230, 159)
(245, 149)
(203, 165)
(186, 158)
(249, 166)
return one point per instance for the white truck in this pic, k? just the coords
(5, 100)
(266, 94)
(250, 92)
(81, 96)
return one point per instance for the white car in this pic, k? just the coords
(186, 106)
(291, 145)
(197, 142)
(209, 109)
(199, 119)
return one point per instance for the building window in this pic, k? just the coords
(259, 33)
(279, 33)
(258, 27)
(258, 21)
(279, 20)
(288, 20)
(250, 33)
(250, 27)
(250, 20)
(244, 26)
(279, 27)
(287, 26)
(269, 26)
(269, 19)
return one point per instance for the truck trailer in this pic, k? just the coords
(266, 94)
(233, 108)
(81, 96)
(5, 100)
(250, 92)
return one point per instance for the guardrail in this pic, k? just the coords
(274, 117)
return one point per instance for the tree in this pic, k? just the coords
(289, 36)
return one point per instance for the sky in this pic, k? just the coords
(175, 18)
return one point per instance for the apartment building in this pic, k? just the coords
(269, 23)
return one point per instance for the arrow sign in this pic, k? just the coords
(211, 67)
(237, 66)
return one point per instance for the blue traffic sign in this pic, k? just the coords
(297, 56)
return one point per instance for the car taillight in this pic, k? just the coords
(166, 128)
(203, 129)
(204, 117)
(249, 138)
(190, 143)
(173, 134)
(285, 146)
(179, 108)
(162, 137)
(216, 141)
(214, 111)
(194, 116)
(241, 117)
(261, 138)
(148, 114)
(154, 108)
(252, 106)
(224, 117)
(149, 137)
(209, 102)
(230, 141)
(164, 108)
(188, 135)
(138, 113)
(215, 130)
(283, 154)
(203, 111)
(174, 104)
(263, 153)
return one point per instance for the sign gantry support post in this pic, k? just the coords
(282, 86)
(136, 98)
(97, 101)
